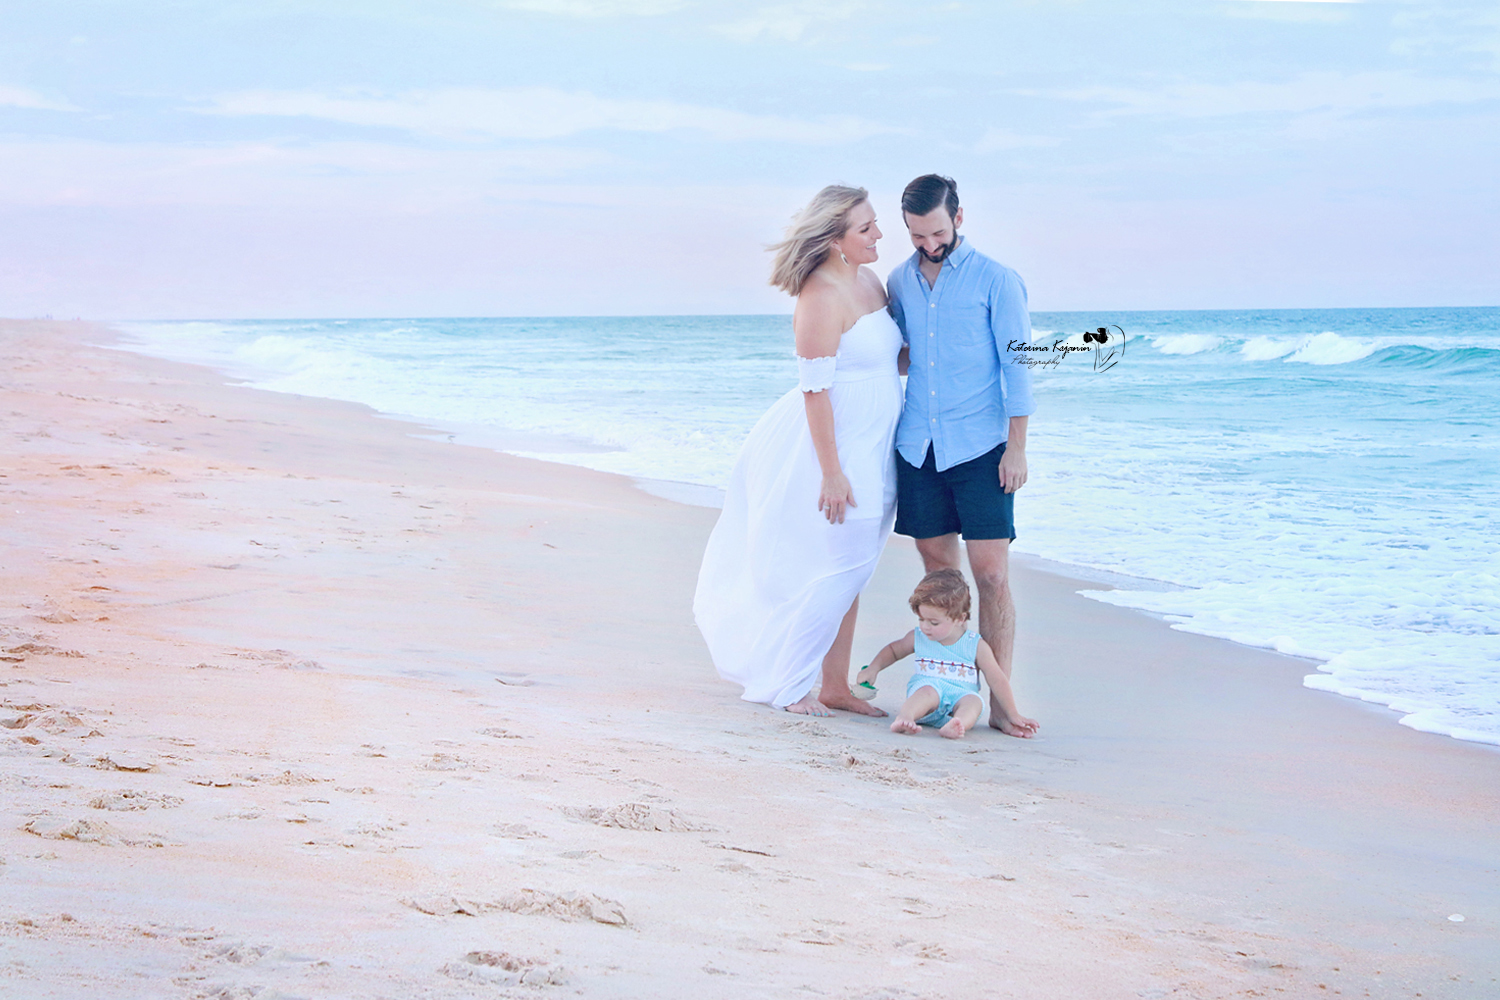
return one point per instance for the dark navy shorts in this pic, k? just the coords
(967, 499)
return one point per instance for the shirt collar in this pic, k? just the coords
(960, 253)
(956, 258)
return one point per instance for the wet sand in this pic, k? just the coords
(299, 703)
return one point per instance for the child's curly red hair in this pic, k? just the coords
(944, 589)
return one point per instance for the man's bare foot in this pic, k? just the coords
(954, 729)
(904, 725)
(809, 705)
(1021, 728)
(846, 701)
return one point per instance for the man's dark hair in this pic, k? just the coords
(928, 192)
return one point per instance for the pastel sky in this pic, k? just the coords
(288, 158)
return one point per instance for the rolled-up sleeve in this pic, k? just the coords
(1010, 319)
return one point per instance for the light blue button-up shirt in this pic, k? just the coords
(963, 385)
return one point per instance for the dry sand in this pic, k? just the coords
(300, 704)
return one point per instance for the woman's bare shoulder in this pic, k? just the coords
(818, 320)
(870, 281)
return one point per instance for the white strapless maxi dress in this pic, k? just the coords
(777, 578)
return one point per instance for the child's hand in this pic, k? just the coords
(1019, 727)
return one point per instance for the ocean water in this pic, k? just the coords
(1321, 483)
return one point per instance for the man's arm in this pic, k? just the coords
(1010, 319)
(893, 304)
(1013, 462)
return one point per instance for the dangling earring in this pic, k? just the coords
(843, 258)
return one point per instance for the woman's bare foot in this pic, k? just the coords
(809, 705)
(845, 701)
(904, 725)
(954, 729)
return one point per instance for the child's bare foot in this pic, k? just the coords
(955, 729)
(1019, 727)
(904, 725)
(809, 705)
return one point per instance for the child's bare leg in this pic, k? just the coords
(922, 701)
(965, 717)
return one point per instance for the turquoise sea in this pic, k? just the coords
(1319, 482)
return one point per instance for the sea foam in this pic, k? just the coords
(1335, 508)
(1331, 349)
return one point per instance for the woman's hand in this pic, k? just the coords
(835, 496)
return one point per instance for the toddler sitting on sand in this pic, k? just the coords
(945, 689)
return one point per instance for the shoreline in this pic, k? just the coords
(460, 693)
(552, 449)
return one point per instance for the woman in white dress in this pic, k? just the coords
(813, 494)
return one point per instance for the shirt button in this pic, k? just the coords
(934, 419)
(932, 364)
(932, 335)
(933, 306)
(934, 392)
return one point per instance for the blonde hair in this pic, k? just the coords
(945, 590)
(810, 237)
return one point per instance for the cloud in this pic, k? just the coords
(538, 113)
(996, 139)
(1322, 92)
(86, 173)
(1452, 36)
(596, 8)
(17, 97)
(787, 22)
(1306, 11)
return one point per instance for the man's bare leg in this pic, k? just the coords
(835, 692)
(989, 559)
(938, 553)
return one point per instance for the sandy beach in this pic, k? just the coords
(301, 701)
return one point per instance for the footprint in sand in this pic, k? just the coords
(500, 734)
(807, 728)
(116, 761)
(242, 814)
(284, 778)
(638, 816)
(452, 762)
(240, 953)
(213, 782)
(87, 831)
(571, 906)
(127, 800)
(862, 766)
(499, 968)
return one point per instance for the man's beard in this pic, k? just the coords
(941, 255)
